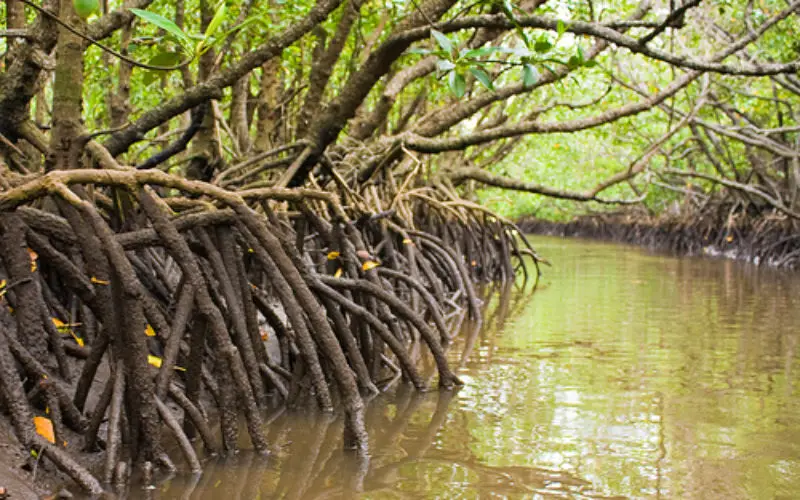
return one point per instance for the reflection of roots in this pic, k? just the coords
(150, 298)
(415, 445)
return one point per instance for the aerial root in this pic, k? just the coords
(222, 309)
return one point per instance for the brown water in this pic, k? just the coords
(626, 374)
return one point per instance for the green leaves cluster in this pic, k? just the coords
(192, 44)
(455, 62)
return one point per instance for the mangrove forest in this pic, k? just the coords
(211, 209)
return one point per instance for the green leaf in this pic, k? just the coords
(561, 27)
(85, 8)
(543, 44)
(590, 64)
(480, 52)
(165, 24)
(482, 77)
(442, 40)
(444, 65)
(457, 84)
(422, 52)
(530, 76)
(163, 59)
(216, 21)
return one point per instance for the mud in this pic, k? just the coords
(767, 239)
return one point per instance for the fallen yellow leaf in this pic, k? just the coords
(333, 255)
(154, 360)
(98, 281)
(44, 427)
(149, 331)
(34, 257)
(370, 264)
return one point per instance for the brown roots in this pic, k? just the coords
(150, 302)
(721, 229)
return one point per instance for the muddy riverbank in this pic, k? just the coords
(626, 374)
(771, 240)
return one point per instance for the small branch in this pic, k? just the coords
(675, 16)
(490, 179)
(14, 33)
(746, 188)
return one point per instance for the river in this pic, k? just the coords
(626, 374)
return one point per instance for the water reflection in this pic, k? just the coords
(626, 374)
(409, 459)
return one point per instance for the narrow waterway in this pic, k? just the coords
(626, 374)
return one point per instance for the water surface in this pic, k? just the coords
(626, 374)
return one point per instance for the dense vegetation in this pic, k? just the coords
(216, 204)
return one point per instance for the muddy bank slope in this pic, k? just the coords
(766, 239)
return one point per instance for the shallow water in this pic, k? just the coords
(626, 374)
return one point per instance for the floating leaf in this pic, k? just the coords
(482, 77)
(442, 40)
(370, 264)
(44, 427)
